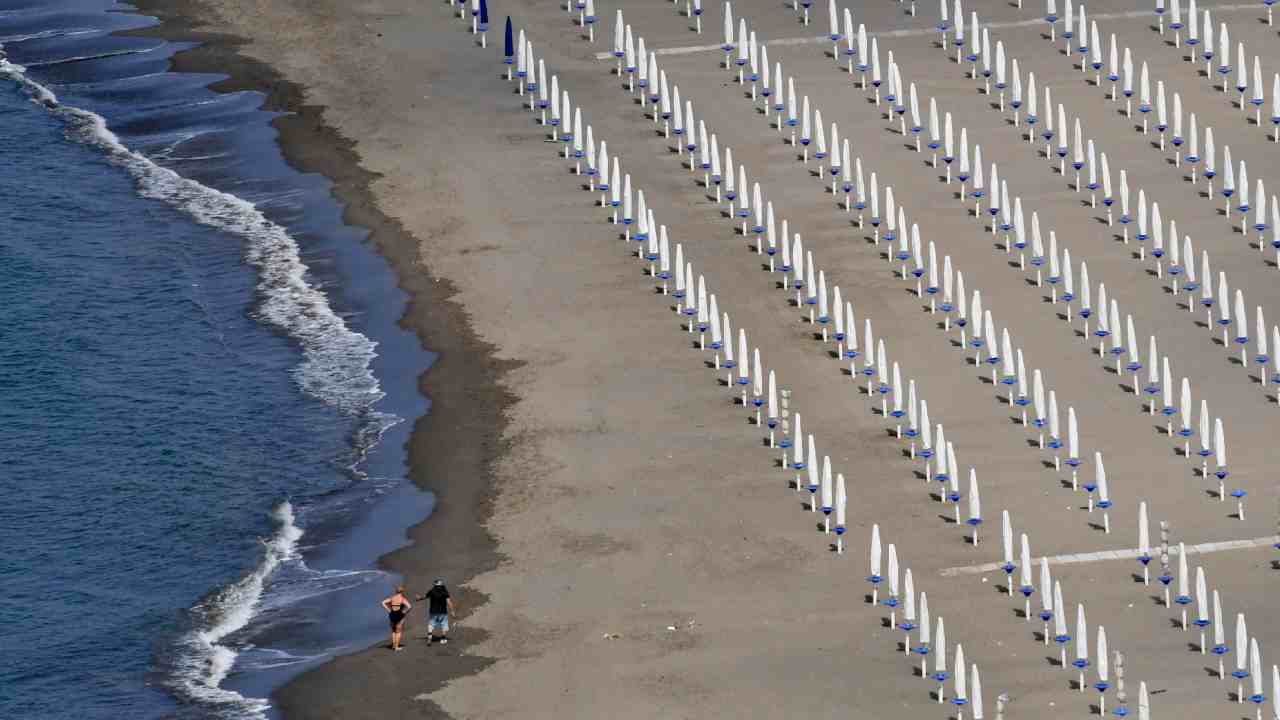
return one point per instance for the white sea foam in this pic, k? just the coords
(336, 360)
(206, 662)
(335, 368)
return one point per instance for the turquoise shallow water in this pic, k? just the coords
(202, 389)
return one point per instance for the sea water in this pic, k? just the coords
(203, 391)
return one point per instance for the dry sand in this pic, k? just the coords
(631, 496)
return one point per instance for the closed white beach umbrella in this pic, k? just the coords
(842, 500)
(1144, 541)
(975, 505)
(827, 496)
(1100, 649)
(1006, 543)
(874, 578)
(1047, 598)
(939, 651)
(1082, 644)
(1060, 634)
(975, 693)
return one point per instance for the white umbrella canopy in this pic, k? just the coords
(1073, 446)
(874, 578)
(1219, 449)
(908, 608)
(1082, 644)
(743, 368)
(975, 693)
(1047, 597)
(1255, 672)
(1024, 567)
(1104, 496)
(975, 505)
(717, 336)
(1260, 342)
(892, 600)
(1220, 647)
(924, 631)
(1099, 476)
(1241, 327)
(1060, 634)
(961, 684)
(1038, 403)
(940, 449)
(797, 463)
(728, 46)
(939, 652)
(772, 407)
(1166, 394)
(1202, 606)
(827, 494)
(897, 393)
(1275, 671)
(1055, 428)
(1006, 537)
(1144, 542)
(1152, 386)
(842, 500)
(1102, 666)
(757, 383)
(812, 470)
(1242, 658)
(936, 139)
(839, 317)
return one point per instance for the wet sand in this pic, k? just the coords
(650, 558)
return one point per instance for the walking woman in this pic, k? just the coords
(397, 607)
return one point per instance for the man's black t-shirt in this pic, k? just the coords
(439, 597)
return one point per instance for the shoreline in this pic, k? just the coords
(658, 557)
(460, 436)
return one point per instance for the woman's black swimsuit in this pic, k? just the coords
(396, 615)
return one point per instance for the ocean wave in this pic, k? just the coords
(335, 368)
(99, 56)
(199, 671)
(336, 365)
(45, 34)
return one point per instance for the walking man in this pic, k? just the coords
(439, 608)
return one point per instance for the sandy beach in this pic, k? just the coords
(621, 539)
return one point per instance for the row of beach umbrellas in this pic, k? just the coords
(1132, 342)
(669, 266)
(809, 284)
(1134, 363)
(1176, 267)
(825, 484)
